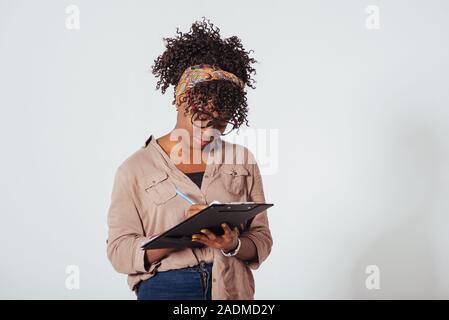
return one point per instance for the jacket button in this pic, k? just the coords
(214, 280)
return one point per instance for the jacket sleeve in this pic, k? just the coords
(125, 230)
(258, 230)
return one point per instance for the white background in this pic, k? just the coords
(363, 120)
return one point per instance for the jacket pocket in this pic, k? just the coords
(234, 178)
(159, 187)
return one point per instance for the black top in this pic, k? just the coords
(196, 177)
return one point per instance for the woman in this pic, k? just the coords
(209, 75)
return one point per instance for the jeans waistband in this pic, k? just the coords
(202, 266)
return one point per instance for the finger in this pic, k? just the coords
(237, 231)
(209, 243)
(194, 209)
(209, 234)
(227, 230)
(197, 206)
(190, 213)
(201, 239)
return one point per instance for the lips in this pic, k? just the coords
(202, 142)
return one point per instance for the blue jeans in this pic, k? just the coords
(192, 283)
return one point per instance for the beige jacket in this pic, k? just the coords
(144, 203)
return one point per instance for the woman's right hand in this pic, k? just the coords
(194, 209)
(158, 254)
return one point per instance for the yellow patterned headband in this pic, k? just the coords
(201, 73)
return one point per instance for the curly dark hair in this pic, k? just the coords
(203, 45)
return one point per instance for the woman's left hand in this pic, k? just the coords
(226, 242)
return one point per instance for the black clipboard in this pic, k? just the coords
(211, 217)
